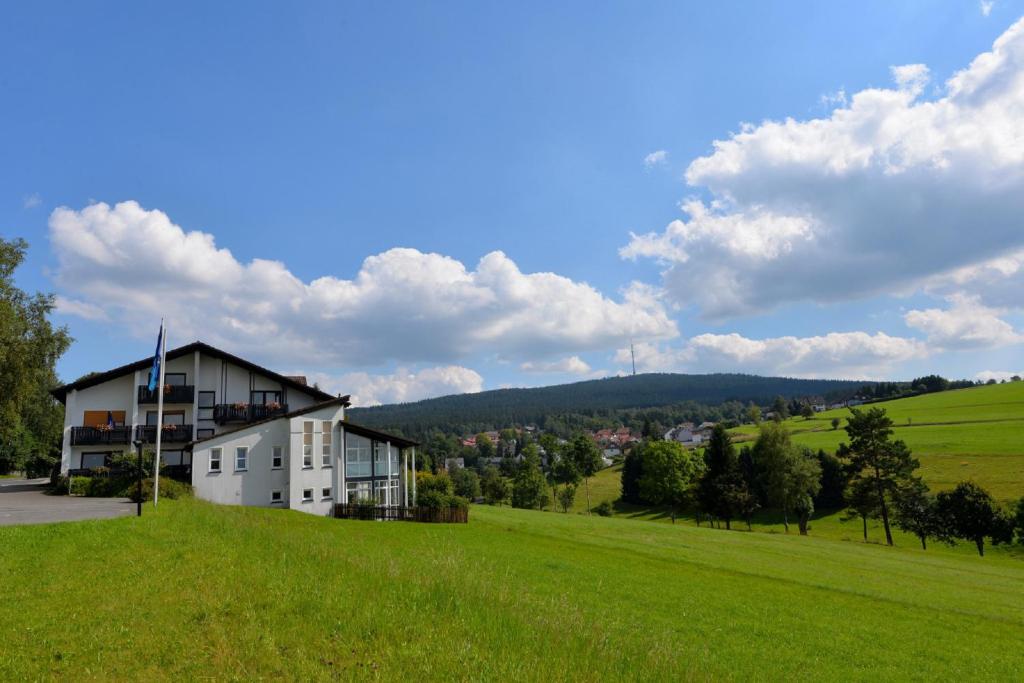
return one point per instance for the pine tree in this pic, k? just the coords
(874, 458)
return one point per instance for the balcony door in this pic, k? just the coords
(171, 417)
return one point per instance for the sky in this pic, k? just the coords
(407, 200)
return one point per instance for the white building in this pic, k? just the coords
(241, 434)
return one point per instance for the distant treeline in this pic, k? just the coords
(884, 391)
(662, 398)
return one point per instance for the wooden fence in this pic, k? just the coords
(396, 513)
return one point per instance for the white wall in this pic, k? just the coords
(249, 487)
(317, 477)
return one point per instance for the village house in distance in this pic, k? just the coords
(239, 433)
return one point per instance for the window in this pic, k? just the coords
(101, 418)
(307, 443)
(307, 495)
(326, 493)
(325, 448)
(263, 398)
(275, 497)
(380, 459)
(175, 458)
(91, 460)
(207, 399)
(358, 490)
(357, 457)
(241, 458)
(204, 433)
(215, 459)
(276, 458)
(175, 379)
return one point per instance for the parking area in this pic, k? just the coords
(24, 501)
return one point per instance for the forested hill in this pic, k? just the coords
(467, 413)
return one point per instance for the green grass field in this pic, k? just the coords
(201, 591)
(975, 433)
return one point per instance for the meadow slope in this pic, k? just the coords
(196, 590)
(975, 433)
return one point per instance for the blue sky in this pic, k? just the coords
(323, 135)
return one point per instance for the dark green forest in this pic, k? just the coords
(662, 398)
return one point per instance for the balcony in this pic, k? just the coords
(225, 413)
(100, 436)
(169, 434)
(173, 393)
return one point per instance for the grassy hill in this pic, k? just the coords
(504, 407)
(196, 590)
(975, 433)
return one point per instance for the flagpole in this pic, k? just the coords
(159, 413)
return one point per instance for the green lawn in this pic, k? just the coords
(198, 590)
(975, 433)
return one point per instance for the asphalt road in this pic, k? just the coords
(23, 501)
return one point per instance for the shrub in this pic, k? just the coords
(604, 508)
(78, 486)
(438, 499)
(169, 488)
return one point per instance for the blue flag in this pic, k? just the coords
(154, 374)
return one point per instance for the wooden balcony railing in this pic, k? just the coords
(100, 436)
(224, 413)
(173, 393)
(169, 434)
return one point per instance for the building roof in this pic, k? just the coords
(61, 392)
(399, 441)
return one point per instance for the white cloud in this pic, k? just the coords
(32, 201)
(997, 375)
(403, 305)
(658, 158)
(966, 324)
(883, 194)
(80, 309)
(833, 99)
(403, 385)
(998, 281)
(573, 365)
(856, 355)
(986, 7)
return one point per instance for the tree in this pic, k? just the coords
(970, 513)
(790, 477)
(722, 486)
(484, 447)
(753, 413)
(31, 421)
(586, 459)
(887, 464)
(861, 501)
(494, 487)
(833, 482)
(917, 512)
(466, 483)
(806, 411)
(780, 408)
(632, 471)
(566, 497)
(529, 490)
(670, 474)
(835, 423)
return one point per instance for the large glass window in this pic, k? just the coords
(357, 457)
(207, 399)
(307, 443)
(176, 417)
(358, 490)
(90, 460)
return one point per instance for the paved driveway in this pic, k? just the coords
(23, 501)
